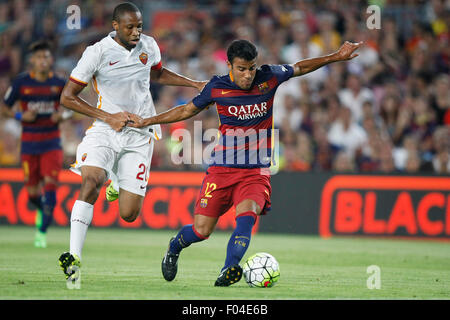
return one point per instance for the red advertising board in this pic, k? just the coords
(304, 203)
(385, 206)
(168, 204)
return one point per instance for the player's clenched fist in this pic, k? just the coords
(29, 116)
(118, 120)
(135, 120)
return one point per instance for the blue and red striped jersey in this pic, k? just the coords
(245, 116)
(41, 135)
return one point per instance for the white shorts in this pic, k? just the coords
(125, 156)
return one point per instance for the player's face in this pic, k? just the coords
(243, 72)
(41, 61)
(128, 29)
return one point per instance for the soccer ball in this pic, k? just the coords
(261, 270)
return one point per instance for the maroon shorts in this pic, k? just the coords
(38, 166)
(225, 187)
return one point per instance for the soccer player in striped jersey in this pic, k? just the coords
(37, 94)
(238, 173)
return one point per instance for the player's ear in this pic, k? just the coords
(32, 59)
(115, 25)
(229, 65)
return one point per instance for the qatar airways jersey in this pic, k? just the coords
(120, 77)
(41, 135)
(245, 116)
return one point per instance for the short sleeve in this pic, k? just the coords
(283, 72)
(204, 98)
(12, 94)
(157, 61)
(87, 66)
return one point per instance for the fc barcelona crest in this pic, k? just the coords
(143, 57)
(263, 87)
(83, 157)
(55, 89)
(203, 202)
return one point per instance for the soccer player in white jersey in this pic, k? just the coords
(120, 67)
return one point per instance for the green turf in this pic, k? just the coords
(125, 264)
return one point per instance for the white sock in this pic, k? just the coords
(80, 220)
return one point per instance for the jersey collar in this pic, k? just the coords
(231, 76)
(111, 36)
(32, 75)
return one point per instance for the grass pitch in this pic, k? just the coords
(126, 264)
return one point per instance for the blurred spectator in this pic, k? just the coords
(343, 162)
(354, 95)
(403, 153)
(100, 20)
(441, 162)
(368, 56)
(391, 60)
(328, 39)
(389, 110)
(292, 115)
(346, 134)
(302, 47)
(9, 56)
(386, 159)
(333, 107)
(423, 123)
(370, 158)
(289, 141)
(9, 144)
(441, 147)
(323, 150)
(412, 164)
(440, 99)
(303, 154)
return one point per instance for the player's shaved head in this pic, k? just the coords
(123, 8)
(127, 22)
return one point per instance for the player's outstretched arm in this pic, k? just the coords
(178, 113)
(167, 77)
(345, 52)
(71, 100)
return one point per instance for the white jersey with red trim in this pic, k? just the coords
(121, 78)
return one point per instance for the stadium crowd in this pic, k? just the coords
(386, 111)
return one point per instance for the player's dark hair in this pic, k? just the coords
(122, 8)
(241, 49)
(40, 45)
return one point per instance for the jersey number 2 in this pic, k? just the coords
(141, 174)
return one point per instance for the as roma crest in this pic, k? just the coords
(55, 89)
(143, 57)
